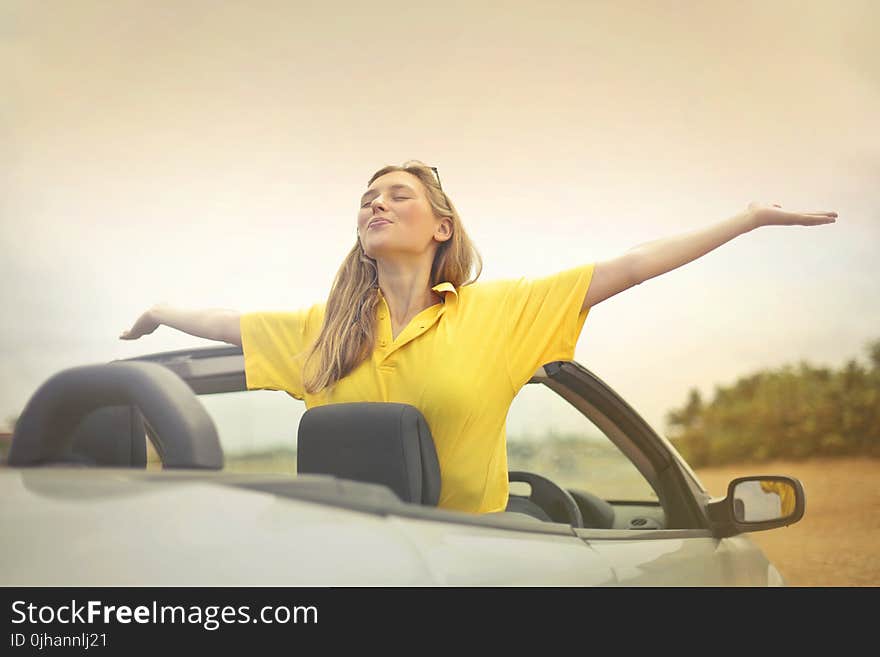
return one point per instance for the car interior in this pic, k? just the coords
(388, 444)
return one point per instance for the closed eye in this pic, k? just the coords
(396, 198)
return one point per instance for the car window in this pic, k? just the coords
(548, 436)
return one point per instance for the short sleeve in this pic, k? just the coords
(544, 320)
(274, 345)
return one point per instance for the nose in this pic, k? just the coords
(376, 202)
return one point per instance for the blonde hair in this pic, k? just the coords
(348, 334)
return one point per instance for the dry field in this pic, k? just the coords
(836, 543)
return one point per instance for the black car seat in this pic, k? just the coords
(112, 436)
(375, 442)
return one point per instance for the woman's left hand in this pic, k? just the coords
(772, 214)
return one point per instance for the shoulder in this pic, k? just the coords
(305, 318)
(491, 289)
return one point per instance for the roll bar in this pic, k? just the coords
(185, 435)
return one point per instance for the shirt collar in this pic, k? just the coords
(440, 287)
(446, 287)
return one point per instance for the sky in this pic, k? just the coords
(211, 155)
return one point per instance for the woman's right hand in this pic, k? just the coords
(145, 324)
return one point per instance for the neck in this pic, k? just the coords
(407, 291)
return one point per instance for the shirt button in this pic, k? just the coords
(382, 343)
(381, 315)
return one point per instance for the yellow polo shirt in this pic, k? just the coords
(460, 362)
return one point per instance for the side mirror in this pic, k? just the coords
(757, 503)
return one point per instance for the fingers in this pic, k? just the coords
(829, 213)
(815, 213)
(813, 220)
(818, 216)
(823, 213)
(773, 214)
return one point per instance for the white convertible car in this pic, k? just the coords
(610, 503)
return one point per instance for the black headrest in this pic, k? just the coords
(376, 442)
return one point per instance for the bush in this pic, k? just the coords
(785, 413)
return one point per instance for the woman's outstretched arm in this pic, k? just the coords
(213, 323)
(651, 259)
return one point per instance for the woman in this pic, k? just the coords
(405, 322)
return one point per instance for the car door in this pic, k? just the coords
(645, 509)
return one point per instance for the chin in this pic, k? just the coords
(376, 251)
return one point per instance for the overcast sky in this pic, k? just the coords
(211, 154)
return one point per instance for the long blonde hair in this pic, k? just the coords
(348, 334)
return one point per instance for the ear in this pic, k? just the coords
(443, 231)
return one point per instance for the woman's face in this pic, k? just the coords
(408, 225)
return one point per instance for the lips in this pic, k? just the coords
(378, 222)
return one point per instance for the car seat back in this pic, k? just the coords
(112, 436)
(376, 442)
